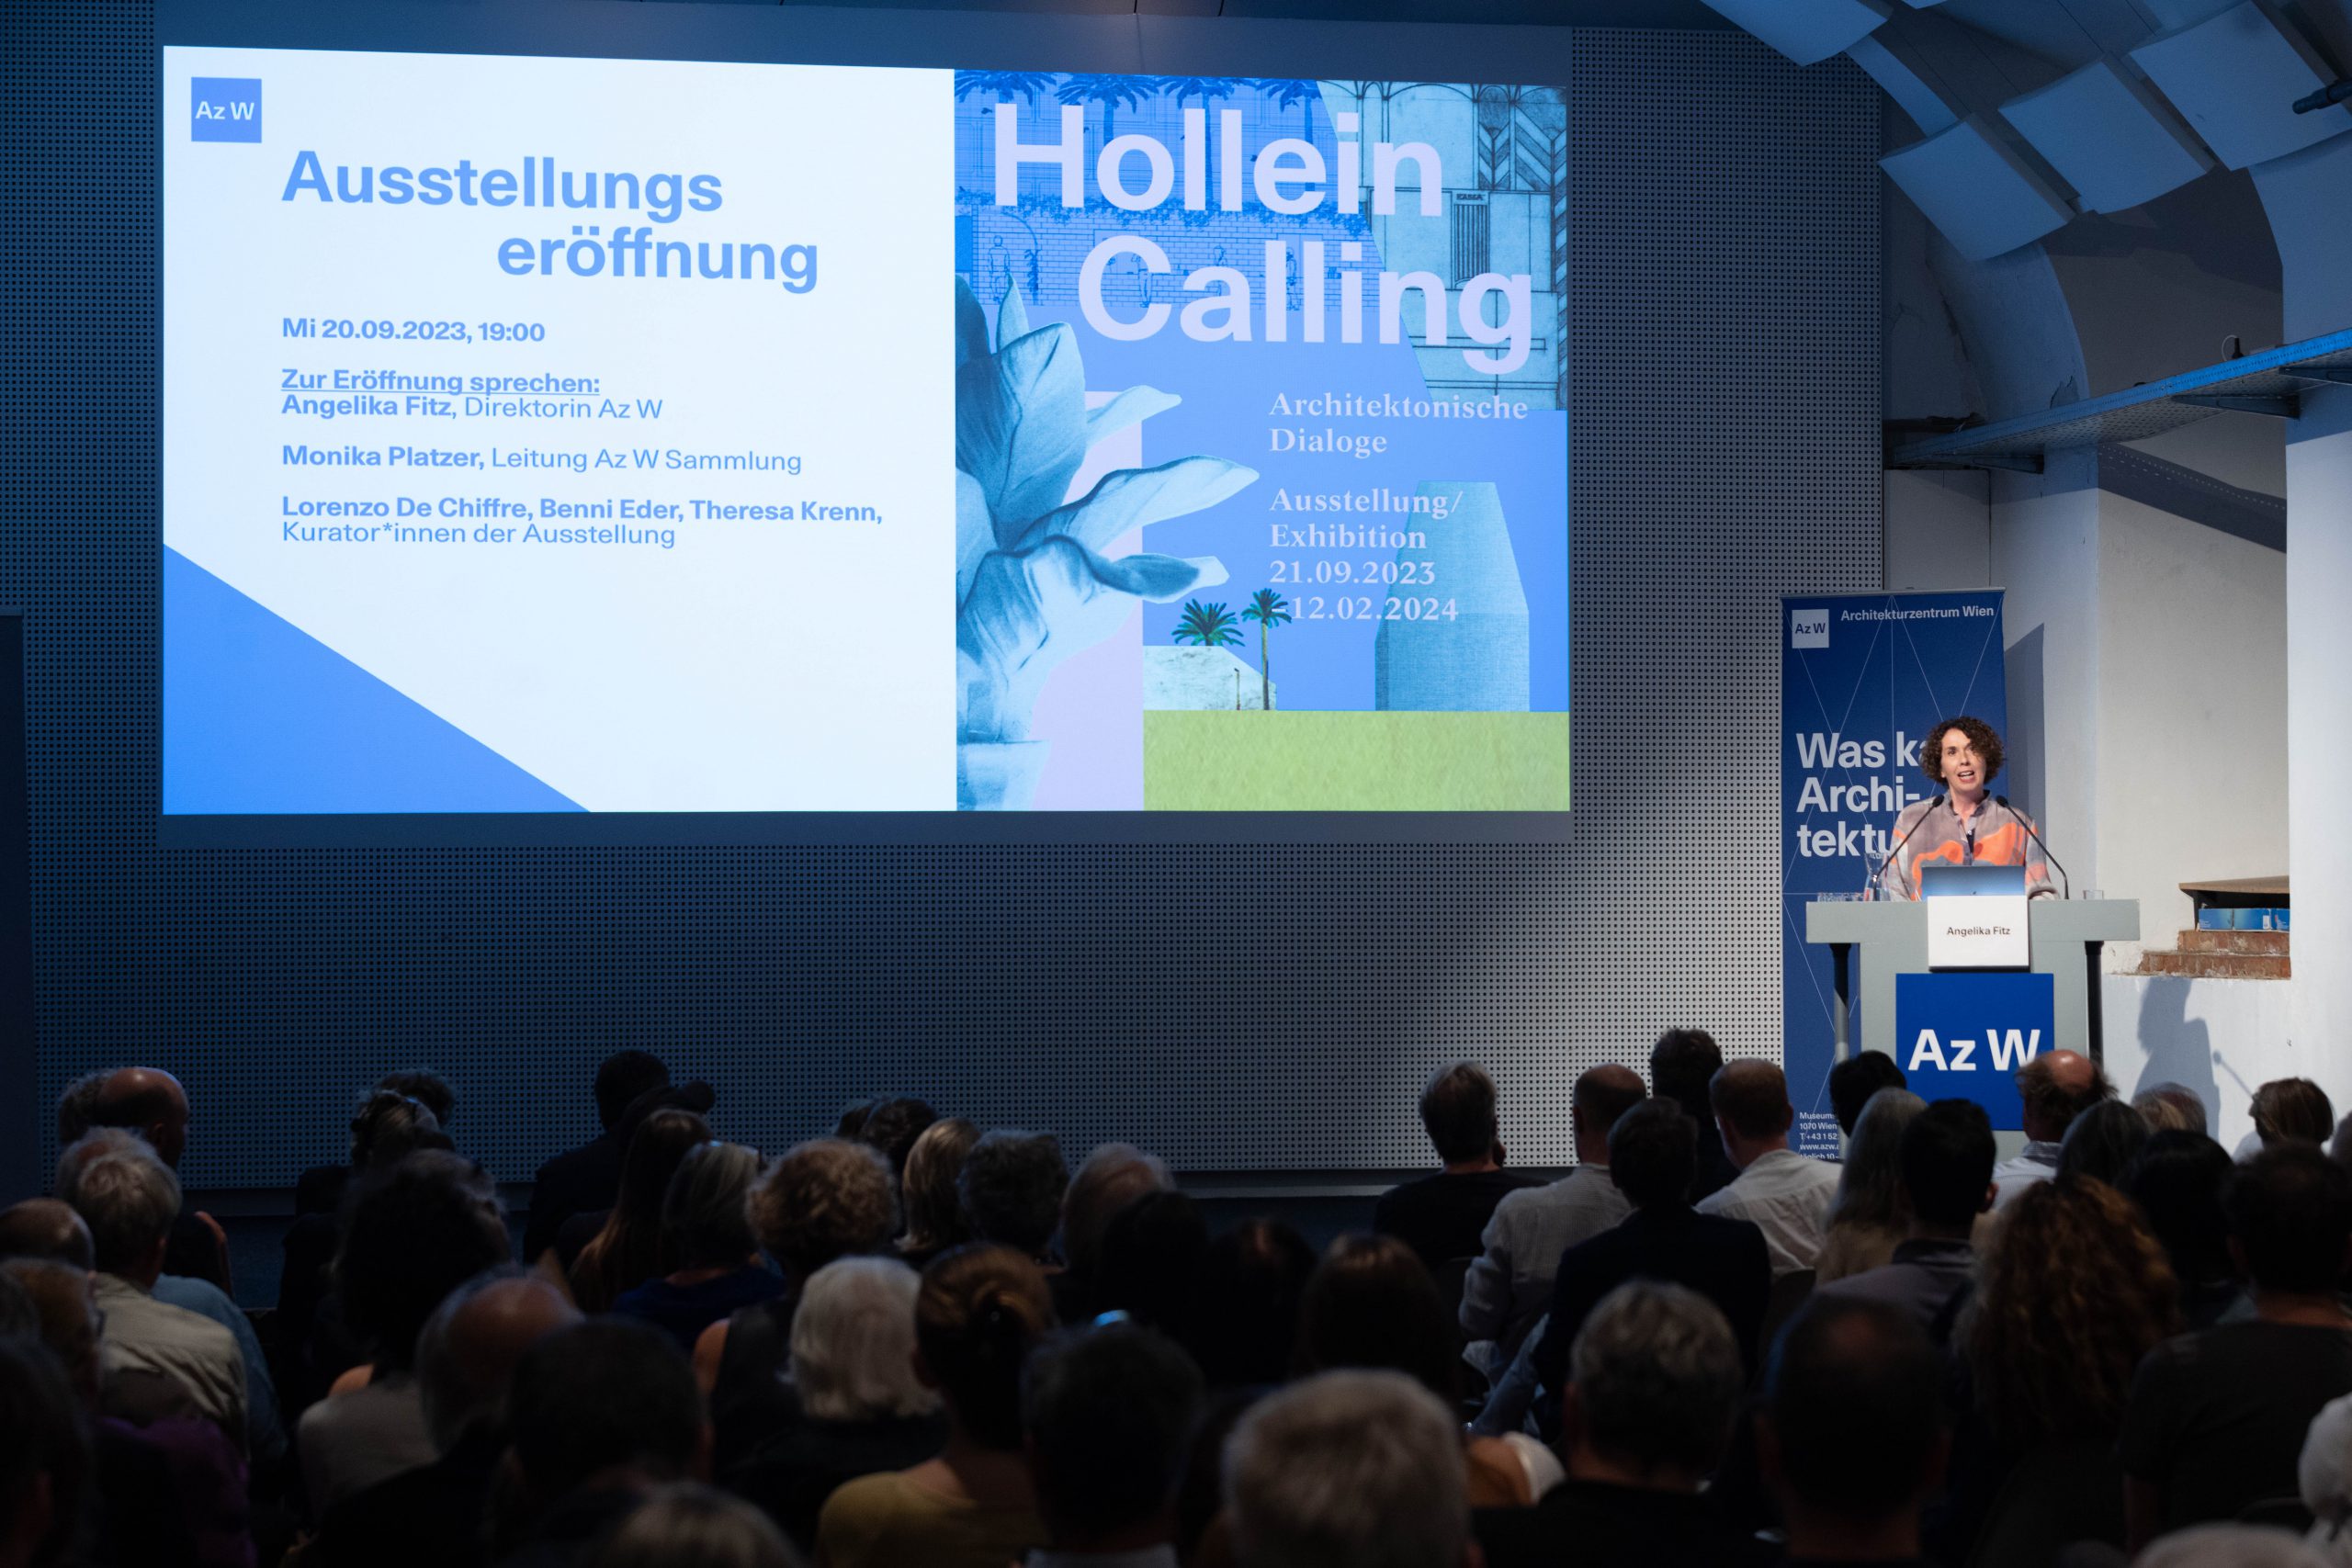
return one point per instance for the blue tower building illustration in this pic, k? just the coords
(1475, 659)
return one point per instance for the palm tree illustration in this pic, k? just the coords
(1206, 625)
(1208, 90)
(994, 86)
(1289, 91)
(1112, 93)
(1269, 609)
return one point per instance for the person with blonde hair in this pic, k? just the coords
(978, 1311)
(709, 1255)
(934, 1210)
(1869, 1214)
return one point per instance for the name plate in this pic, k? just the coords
(1978, 933)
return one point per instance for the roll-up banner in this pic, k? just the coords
(1863, 678)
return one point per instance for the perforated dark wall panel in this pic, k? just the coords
(1235, 1007)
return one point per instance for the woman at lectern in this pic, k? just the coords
(1965, 823)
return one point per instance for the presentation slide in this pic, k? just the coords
(649, 436)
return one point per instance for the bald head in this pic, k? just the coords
(45, 1228)
(467, 1355)
(149, 1101)
(69, 1317)
(2054, 1088)
(1750, 1100)
(1602, 1095)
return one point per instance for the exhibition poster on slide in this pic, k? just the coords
(564, 435)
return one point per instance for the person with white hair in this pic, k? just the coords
(862, 1409)
(129, 1198)
(2324, 1476)
(1349, 1469)
(2230, 1546)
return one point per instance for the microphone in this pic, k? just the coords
(1897, 845)
(2334, 93)
(2066, 882)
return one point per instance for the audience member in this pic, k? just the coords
(2230, 1546)
(1012, 1185)
(860, 1406)
(1440, 1218)
(2054, 1087)
(892, 1128)
(1348, 1470)
(686, 1526)
(2177, 1180)
(980, 1310)
(2102, 1143)
(1370, 1304)
(1652, 1152)
(599, 1414)
(321, 1189)
(1109, 1414)
(627, 1251)
(934, 1216)
(572, 1237)
(1855, 1080)
(2293, 1109)
(1654, 1385)
(466, 1357)
(1251, 1280)
(1510, 1283)
(1150, 1263)
(1946, 1158)
(1852, 1437)
(2170, 1108)
(2323, 1480)
(1683, 1064)
(826, 1199)
(1781, 1192)
(151, 1103)
(2074, 1294)
(417, 1231)
(128, 1197)
(852, 1121)
(709, 1258)
(1870, 1214)
(2216, 1419)
(1110, 1178)
(45, 1228)
(77, 1106)
(589, 1178)
(45, 1460)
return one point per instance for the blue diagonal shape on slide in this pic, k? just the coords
(260, 717)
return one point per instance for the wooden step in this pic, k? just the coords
(2219, 965)
(2272, 943)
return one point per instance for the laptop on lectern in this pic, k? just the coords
(1944, 880)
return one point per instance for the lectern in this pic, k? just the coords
(2064, 938)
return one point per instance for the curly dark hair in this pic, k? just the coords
(1981, 738)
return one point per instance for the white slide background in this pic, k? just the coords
(756, 666)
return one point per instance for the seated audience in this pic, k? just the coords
(2216, 1419)
(1868, 1212)
(466, 1357)
(2102, 1143)
(892, 1127)
(2176, 1180)
(1855, 1080)
(826, 1199)
(45, 1228)
(1109, 1414)
(1946, 1160)
(2231, 1546)
(2293, 1109)
(45, 1460)
(599, 1414)
(1106, 1181)
(1012, 1185)
(2054, 1087)
(151, 1103)
(128, 1197)
(589, 1178)
(980, 1310)
(1440, 1218)
(1683, 1064)
(2324, 1479)
(627, 1251)
(1851, 1438)
(686, 1526)
(858, 1405)
(1783, 1193)
(935, 1214)
(1370, 1304)
(2170, 1108)
(319, 1190)
(1652, 1152)
(1246, 1298)
(416, 1231)
(1654, 1386)
(1149, 1266)
(2074, 1294)
(1351, 1467)
(709, 1257)
(1509, 1283)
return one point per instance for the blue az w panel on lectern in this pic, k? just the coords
(1962, 1034)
